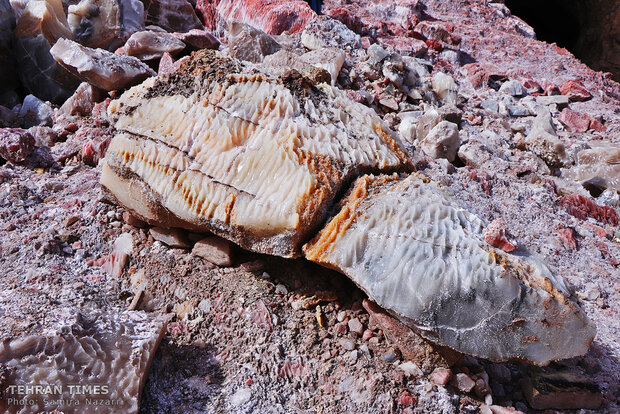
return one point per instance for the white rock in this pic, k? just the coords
(442, 141)
(445, 88)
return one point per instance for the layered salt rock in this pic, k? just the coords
(247, 154)
(414, 252)
(40, 24)
(270, 16)
(108, 352)
(105, 23)
(171, 15)
(100, 68)
(152, 45)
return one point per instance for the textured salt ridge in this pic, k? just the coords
(255, 157)
(111, 349)
(408, 245)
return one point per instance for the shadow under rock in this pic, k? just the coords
(178, 372)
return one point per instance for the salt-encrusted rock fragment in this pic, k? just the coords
(325, 31)
(239, 151)
(171, 15)
(598, 166)
(107, 353)
(170, 237)
(417, 254)
(544, 142)
(100, 68)
(249, 43)
(513, 88)
(197, 39)
(444, 87)
(105, 23)
(330, 58)
(442, 141)
(15, 144)
(150, 45)
(82, 101)
(35, 112)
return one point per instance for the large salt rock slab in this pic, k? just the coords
(100, 68)
(417, 254)
(110, 353)
(7, 61)
(105, 23)
(270, 16)
(227, 147)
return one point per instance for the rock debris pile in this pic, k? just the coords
(164, 162)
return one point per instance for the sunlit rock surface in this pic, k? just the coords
(248, 154)
(417, 254)
(100, 68)
(152, 45)
(105, 23)
(112, 350)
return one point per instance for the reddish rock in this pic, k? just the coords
(575, 91)
(405, 398)
(495, 235)
(582, 208)
(347, 18)
(567, 237)
(198, 39)
(437, 31)
(575, 121)
(597, 125)
(441, 376)
(15, 144)
(171, 237)
(367, 335)
(95, 149)
(498, 409)
(480, 74)
(215, 250)
(166, 64)
(341, 328)
(270, 16)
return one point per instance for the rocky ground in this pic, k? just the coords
(519, 131)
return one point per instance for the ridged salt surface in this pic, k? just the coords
(417, 254)
(94, 362)
(254, 156)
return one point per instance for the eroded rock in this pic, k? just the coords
(113, 349)
(100, 68)
(105, 23)
(171, 15)
(442, 278)
(255, 158)
(150, 45)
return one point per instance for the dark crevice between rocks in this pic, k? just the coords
(590, 29)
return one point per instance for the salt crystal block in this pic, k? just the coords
(253, 156)
(417, 254)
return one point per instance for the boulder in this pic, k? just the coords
(171, 15)
(15, 144)
(150, 45)
(442, 141)
(40, 24)
(442, 278)
(252, 155)
(270, 16)
(327, 32)
(105, 23)
(100, 68)
(248, 43)
(544, 142)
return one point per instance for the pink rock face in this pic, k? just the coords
(495, 235)
(575, 91)
(95, 149)
(15, 144)
(582, 208)
(575, 121)
(270, 16)
(441, 376)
